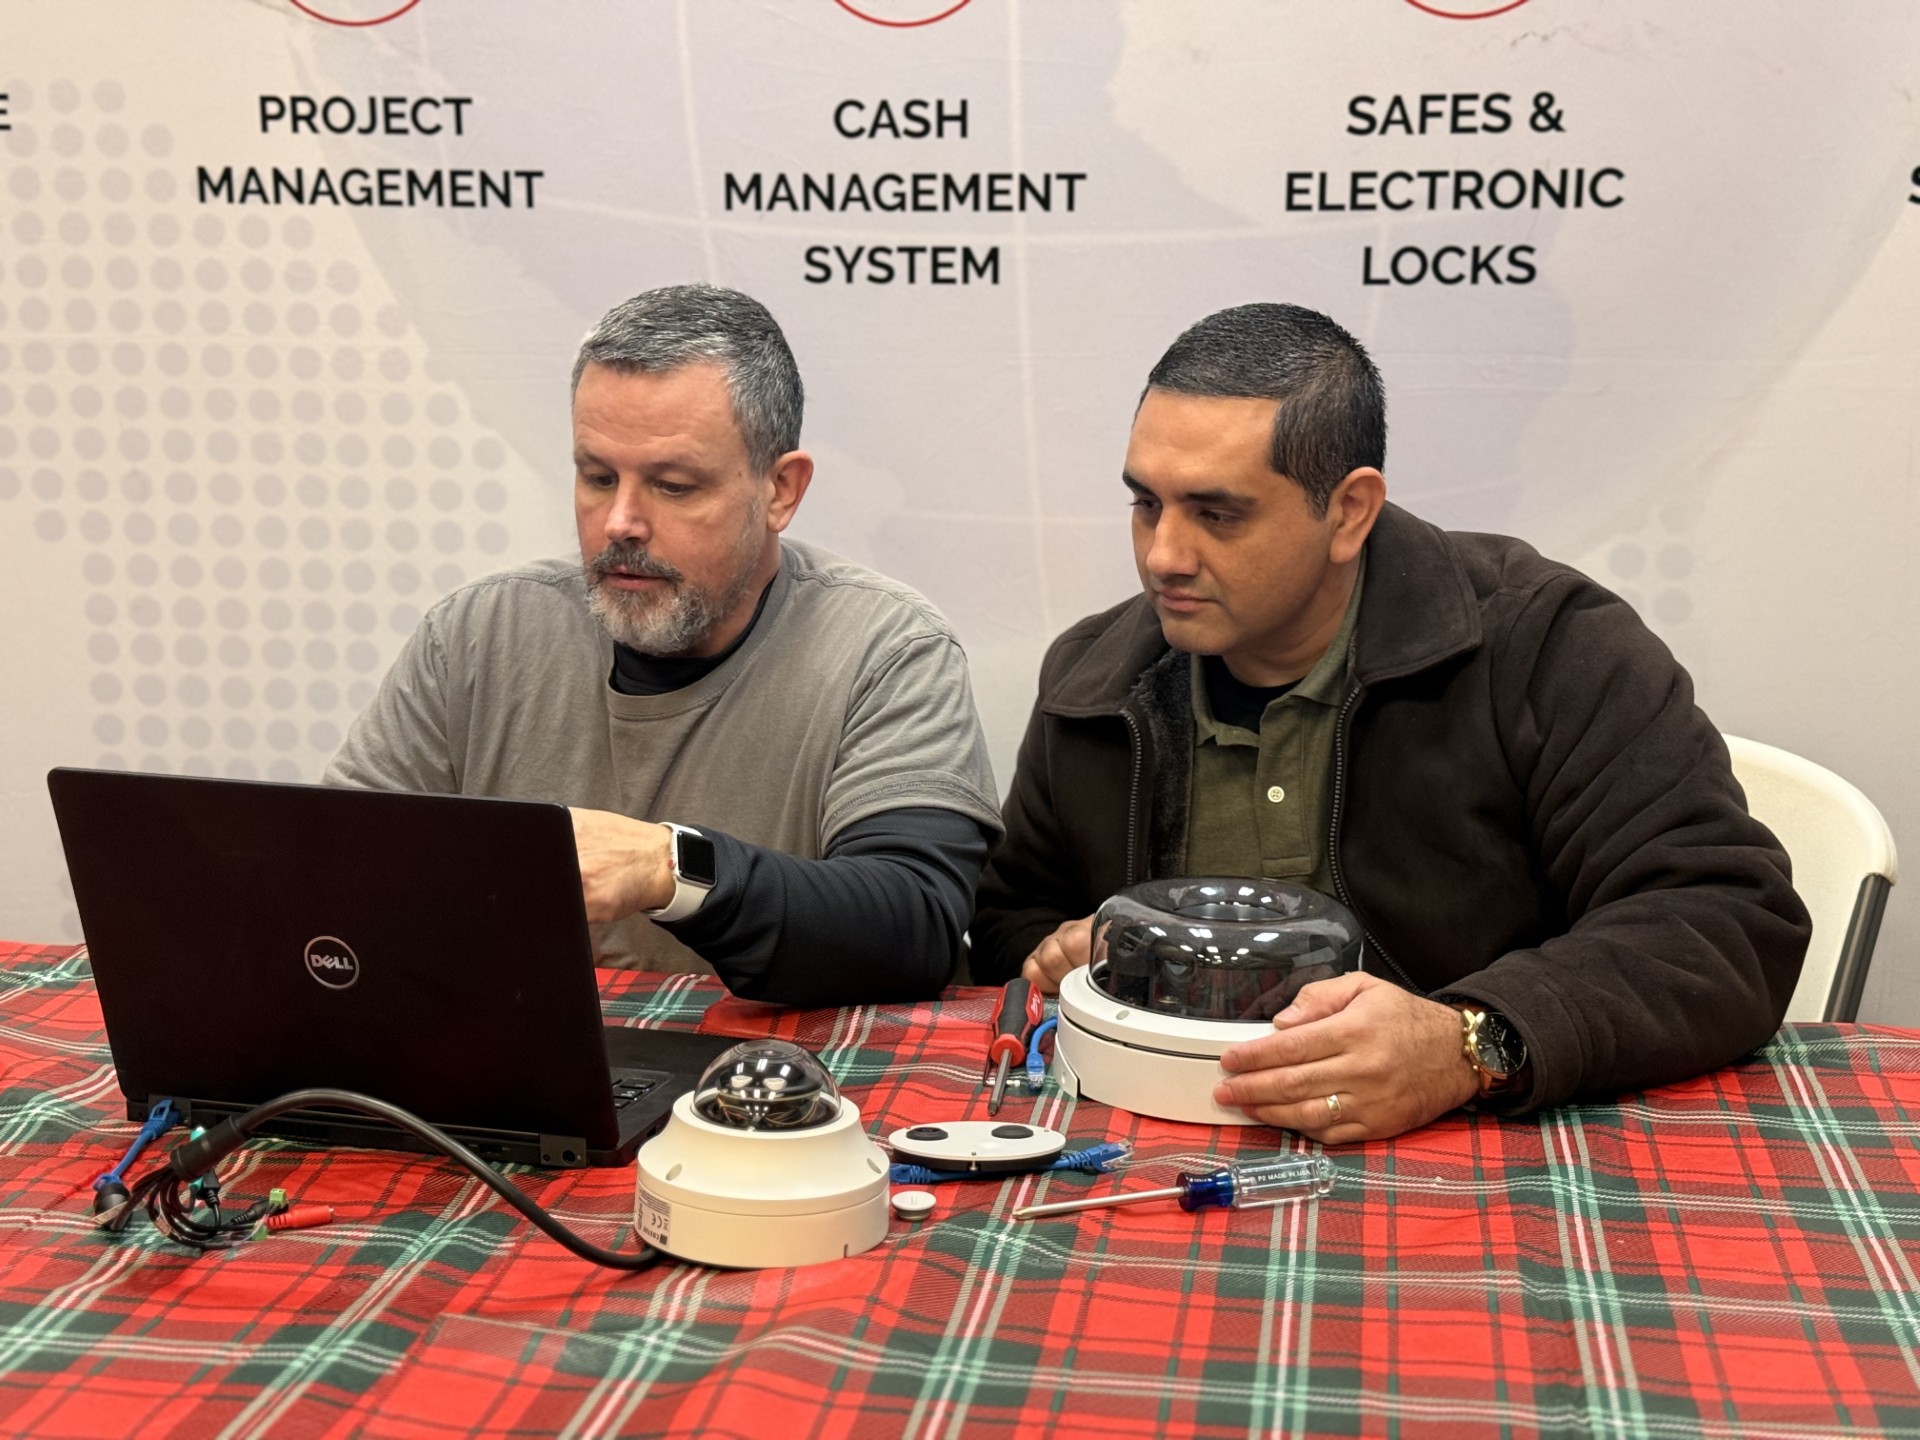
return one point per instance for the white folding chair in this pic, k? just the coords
(1843, 867)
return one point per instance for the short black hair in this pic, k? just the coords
(1333, 411)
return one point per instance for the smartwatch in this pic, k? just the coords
(693, 865)
(1492, 1047)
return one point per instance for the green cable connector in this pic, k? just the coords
(196, 1186)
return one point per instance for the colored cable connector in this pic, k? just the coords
(1036, 1061)
(167, 1192)
(110, 1186)
(292, 1217)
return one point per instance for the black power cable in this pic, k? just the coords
(167, 1195)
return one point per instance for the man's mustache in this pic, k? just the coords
(627, 558)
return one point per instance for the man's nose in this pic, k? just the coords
(628, 517)
(1171, 555)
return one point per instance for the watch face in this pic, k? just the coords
(693, 858)
(1500, 1049)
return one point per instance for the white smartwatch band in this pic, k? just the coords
(688, 893)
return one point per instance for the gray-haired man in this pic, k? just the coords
(772, 755)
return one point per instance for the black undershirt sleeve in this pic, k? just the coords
(878, 919)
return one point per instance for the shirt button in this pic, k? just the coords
(1276, 794)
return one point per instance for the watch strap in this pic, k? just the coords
(688, 894)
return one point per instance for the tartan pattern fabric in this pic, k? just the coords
(1734, 1256)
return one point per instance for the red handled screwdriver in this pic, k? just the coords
(1022, 1008)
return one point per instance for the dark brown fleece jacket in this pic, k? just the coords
(1529, 811)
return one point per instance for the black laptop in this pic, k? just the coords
(250, 939)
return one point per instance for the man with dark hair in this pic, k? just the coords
(773, 758)
(1482, 753)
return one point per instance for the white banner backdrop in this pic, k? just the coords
(289, 291)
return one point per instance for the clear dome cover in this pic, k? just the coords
(767, 1085)
(1219, 948)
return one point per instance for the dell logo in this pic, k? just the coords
(331, 961)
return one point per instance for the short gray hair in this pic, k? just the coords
(1333, 411)
(688, 324)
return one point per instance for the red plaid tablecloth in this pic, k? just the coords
(1733, 1256)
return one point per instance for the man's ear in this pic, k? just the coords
(791, 475)
(1352, 509)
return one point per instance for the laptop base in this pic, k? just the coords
(686, 1053)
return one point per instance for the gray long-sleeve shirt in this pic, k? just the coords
(847, 700)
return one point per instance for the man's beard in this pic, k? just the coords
(677, 622)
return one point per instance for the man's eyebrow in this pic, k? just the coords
(1220, 499)
(584, 458)
(1217, 499)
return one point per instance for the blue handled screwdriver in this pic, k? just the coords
(1243, 1185)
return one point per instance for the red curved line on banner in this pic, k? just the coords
(894, 24)
(306, 9)
(1434, 10)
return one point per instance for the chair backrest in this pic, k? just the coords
(1843, 866)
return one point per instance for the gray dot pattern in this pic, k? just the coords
(1651, 570)
(231, 427)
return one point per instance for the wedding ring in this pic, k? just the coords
(1333, 1108)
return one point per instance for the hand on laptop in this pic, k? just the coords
(626, 865)
(1067, 948)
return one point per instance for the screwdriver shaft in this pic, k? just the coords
(999, 1091)
(1098, 1202)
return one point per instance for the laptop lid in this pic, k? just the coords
(249, 939)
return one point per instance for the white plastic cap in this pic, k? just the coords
(913, 1204)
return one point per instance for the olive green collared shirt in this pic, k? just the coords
(1261, 803)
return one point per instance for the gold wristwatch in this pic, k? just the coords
(1492, 1047)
